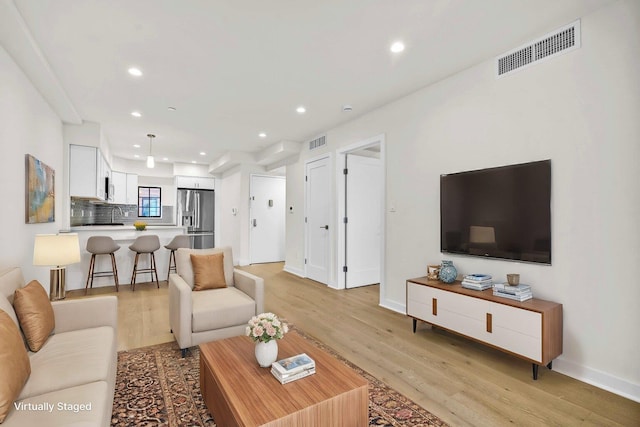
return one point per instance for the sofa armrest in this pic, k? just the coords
(251, 285)
(180, 310)
(76, 314)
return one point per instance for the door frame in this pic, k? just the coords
(329, 157)
(340, 195)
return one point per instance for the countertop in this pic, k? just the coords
(128, 227)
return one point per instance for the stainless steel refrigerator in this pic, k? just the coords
(196, 212)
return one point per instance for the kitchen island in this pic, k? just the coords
(123, 235)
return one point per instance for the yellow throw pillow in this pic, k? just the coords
(208, 271)
(14, 364)
(35, 314)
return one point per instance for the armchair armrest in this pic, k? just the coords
(76, 314)
(180, 310)
(251, 285)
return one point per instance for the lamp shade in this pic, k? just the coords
(56, 249)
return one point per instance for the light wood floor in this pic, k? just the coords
(462, 382)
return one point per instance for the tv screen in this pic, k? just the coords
(502, 212)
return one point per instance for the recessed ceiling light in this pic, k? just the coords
(347, 108)
(301, 109)
(136, 114)
(135, 71)
(202, 153)
(193, 161)
(136, 145)
(397, 47)
(136, 156)
(262, 135)
(165, 158)
(171, 108)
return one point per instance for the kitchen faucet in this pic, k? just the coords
(113, 210)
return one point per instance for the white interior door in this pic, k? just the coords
(318, 195)
(267, 238)
(364, 222)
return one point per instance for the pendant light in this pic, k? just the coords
(150, 160)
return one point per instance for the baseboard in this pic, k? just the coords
(393, 306)
(295, 271)
(598, 379)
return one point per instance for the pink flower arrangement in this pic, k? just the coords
(266, 327)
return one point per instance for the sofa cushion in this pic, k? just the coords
(221, 308)
(72, 358)
(83, 405)
(35, 314)
(208, 271)
(14, 364)
(185, 269)
(10, 280)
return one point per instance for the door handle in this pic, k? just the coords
(255, 222)
(326, 227)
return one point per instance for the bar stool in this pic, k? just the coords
(180, 241)
(101, 245)
(145, 245)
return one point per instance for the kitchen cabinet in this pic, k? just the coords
(124, 188)
(132, 189)
(87, 172)
(201, 183)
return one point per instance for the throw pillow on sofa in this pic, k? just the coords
(14, 364)
(208, 271)
(35, 314)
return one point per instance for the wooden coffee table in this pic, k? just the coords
(240, 393)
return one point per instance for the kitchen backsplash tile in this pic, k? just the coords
(85, 212)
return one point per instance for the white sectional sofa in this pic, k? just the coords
(73, 375)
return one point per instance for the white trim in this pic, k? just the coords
(340, 252)
(294, 270)
(392, 305)
(598, 379)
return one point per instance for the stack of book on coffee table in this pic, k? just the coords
(293, 368)
(478, 282)
(518, 293)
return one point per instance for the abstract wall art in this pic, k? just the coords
(40, 194)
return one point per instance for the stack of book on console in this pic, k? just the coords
(478, 282)
(293, 368)
(518, 292)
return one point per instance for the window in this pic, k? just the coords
(149, 202)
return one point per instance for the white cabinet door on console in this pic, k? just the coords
(531, 329)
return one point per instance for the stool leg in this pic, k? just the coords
(90, 275)
(133, 275)
(172, 257)
(154, 270)
(115, 270)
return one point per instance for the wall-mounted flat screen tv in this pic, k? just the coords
(502, 212)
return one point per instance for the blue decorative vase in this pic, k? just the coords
(448, 272)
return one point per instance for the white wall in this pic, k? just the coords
(581, 111)
(27, 126)
(230, 197)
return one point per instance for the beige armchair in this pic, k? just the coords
(201, 316)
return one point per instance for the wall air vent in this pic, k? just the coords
(318, 142)
(556, 43)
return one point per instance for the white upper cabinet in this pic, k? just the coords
(87, 172)
(195, 182)
(124, 188)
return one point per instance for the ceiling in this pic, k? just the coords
(233, 69)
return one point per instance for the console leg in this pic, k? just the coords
(415, 323)
(550, 365)
(535, 371)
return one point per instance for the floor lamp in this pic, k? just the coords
(56, 251)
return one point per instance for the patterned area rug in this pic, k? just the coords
(155, 386)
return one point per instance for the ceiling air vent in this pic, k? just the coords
(556, 43)
(318, 142)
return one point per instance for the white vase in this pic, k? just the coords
(266, 353)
